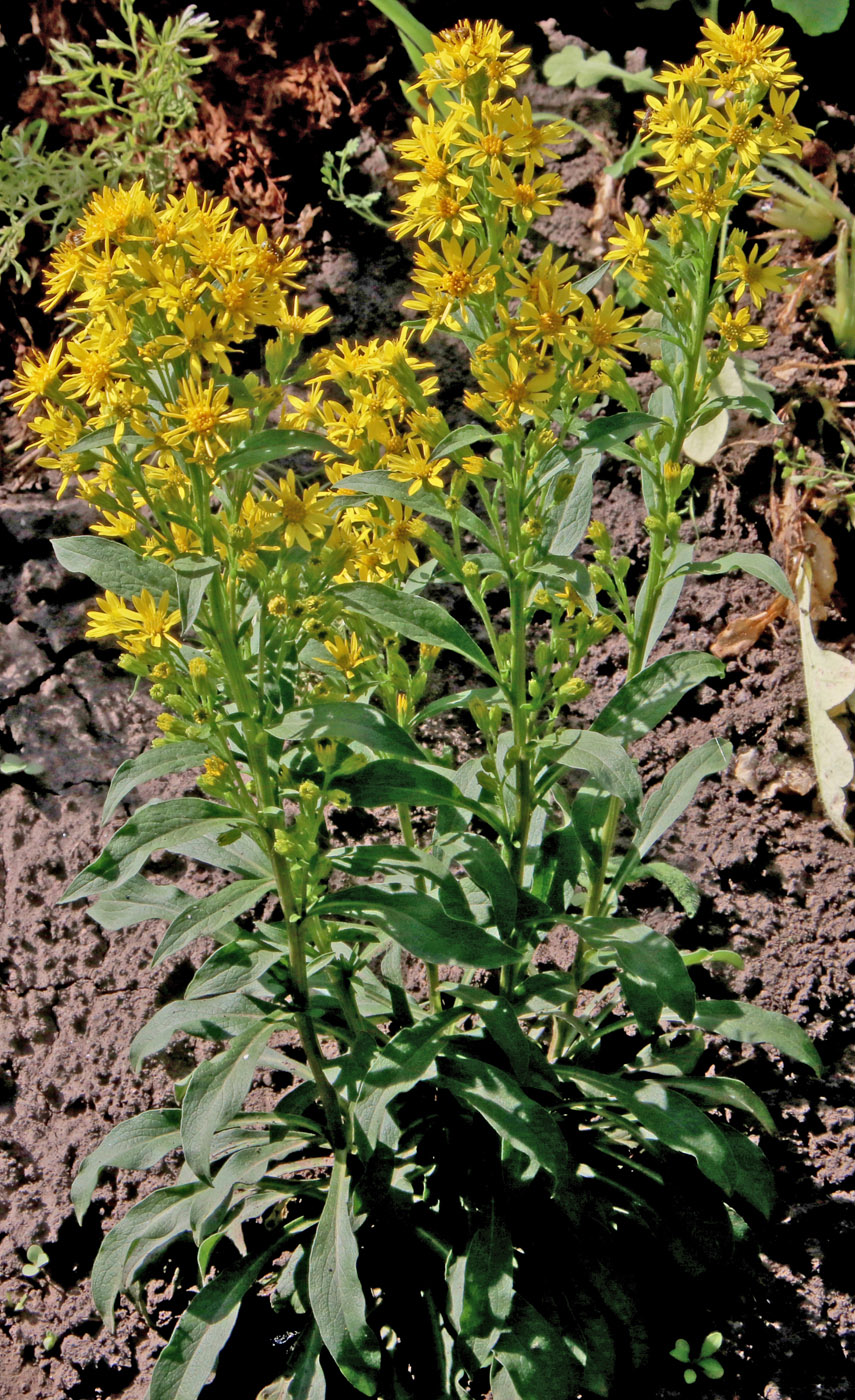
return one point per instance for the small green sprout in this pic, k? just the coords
(36, 1260)
(712, 1369)
(335, 169)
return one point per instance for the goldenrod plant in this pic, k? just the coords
(485, 1170)
(142, 99)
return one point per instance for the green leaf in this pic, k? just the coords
(753, 1025)
(403, 1061)
(379, 484)
(570, 520)
(718, 1089)
(408, 25)
(711, 1343)
(211, 914)
(420, 924)
(758, 565)
(651, 972)
(270, 445)
(677, 789)
(184, 1366)
(416, 619)
(307, 1380)
(608, 430)
(149, 765)
(488, 871)
(387, 781)
(137, 900)
(536, 1357)
(335, 1292)
(684, 890)
(645, 700)
(669, 595)
(114, 566)
(570, 65)
(677, 1123)
(100, 438)
(232, 968)
(459, 438)
(488, 1290)
(194, 573)
(136, 1144)
(516, 1117)
(600, 755)
(154, 827)
(815, 16)
(143, 1233)
(216, 1090)
(215, 1018)
(349, 721)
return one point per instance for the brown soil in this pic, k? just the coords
(777, 882)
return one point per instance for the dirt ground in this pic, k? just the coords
(777, 882)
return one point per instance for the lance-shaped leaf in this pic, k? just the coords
(459, 438)
(670, 589)
(416, 619)
(214, 1018)
(359, 724)
(718, 1089)
(194, 573)
(651, 972)
(270, 445)
(677, 789)
(335, 1292)
(211, 914)
(488, 1290)
(753, 1025)
(114, 566)
(186, 1362)
(758, 565)
(420, 924)
(645, 700)
(232, 968)
(140, 1236)
(488, 871)
(516, 1117)
(215, 1092)
(138, 899)
(600, 755)
(570, 519)
(366, 486)
(136, 1144)
(403, 1061)
(153, 828)
(610, 430)
(535, 1357)
(387, 781)
(149, 765)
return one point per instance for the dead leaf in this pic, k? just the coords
(739, 636)
(829, 682)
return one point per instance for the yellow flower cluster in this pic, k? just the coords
(721, 114)
(139, 406)
(372, 403)
(476, 183)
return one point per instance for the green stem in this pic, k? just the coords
(256, 753)
(431, 969)
(689, 399)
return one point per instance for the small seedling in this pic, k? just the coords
(704, 1361)
(36, 1260)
